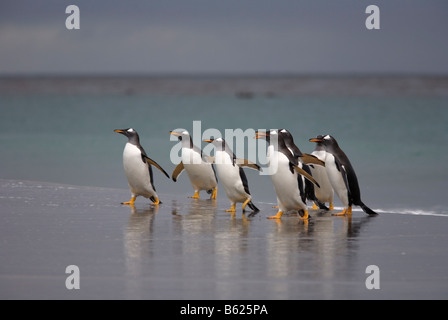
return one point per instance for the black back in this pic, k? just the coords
(345, 167)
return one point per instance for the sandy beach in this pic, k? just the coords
(192, 249)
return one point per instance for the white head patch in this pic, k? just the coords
(327, 137)
(131, 130)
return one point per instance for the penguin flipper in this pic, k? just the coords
(306, 175)
(155, 164)
(244, 180)
(310, 159)
(247, 163)
(344, 177)
(177, 171)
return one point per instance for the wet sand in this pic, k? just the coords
(191, 249)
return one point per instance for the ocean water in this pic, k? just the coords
(58, 130)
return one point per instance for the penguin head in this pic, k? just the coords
(218, 142)
(130, 133)
(289, 142)
(287, 136)
(325, 140)
(180, 134)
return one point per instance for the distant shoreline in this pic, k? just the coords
(242, 86)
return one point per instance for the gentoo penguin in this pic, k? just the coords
(341, 175)
(232, 175)
(283, 171)
(309, 192)
(137, 167)
(325, 193)
(200, 171)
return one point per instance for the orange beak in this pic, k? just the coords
(259, 135)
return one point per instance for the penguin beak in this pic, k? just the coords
(209, 141)
(175, 133)
(120, 131)
(315, 140)
(260, 135)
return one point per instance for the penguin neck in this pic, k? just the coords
(187, 143)
(135, 140)
(224, 147)
(278, 144)
(319, 147)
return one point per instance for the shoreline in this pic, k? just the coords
(242, 86)
(191, 249)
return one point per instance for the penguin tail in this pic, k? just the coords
(366, 209)
(321, 205)
(153, 199)
(253, 207)
(210, 191)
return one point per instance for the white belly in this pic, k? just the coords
(229, 176)
(285, 183)
(336, 180)
(201, 174)
(137, 172)
(325, 193)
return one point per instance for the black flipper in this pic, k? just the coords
(155, 164)
(244, 180)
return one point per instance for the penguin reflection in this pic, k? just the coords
(138, 247)
(330, 242)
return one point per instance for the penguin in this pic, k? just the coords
(232, 176)
(284, 175)
(342, 175)
(305, 161)
(137, 167)
(200, 171)
(325, 193)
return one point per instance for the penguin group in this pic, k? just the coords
(297, 178)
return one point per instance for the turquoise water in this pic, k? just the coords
(397, 143)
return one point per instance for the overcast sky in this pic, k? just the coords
(223, 36)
